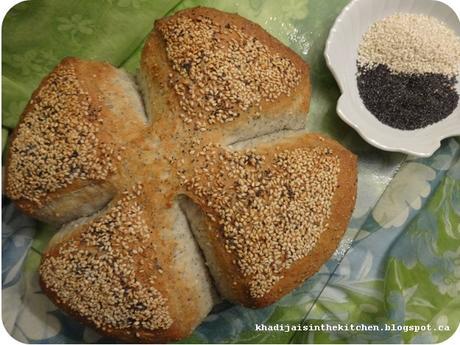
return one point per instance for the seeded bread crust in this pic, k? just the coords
(116, 116)
(172, 257)
(230, 281)
(287, 112)
(126, 336)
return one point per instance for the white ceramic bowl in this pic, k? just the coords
(341, 53)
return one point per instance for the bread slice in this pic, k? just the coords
(64, 150)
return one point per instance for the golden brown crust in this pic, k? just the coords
(105, 133)
(26, 206)
(157, 73)
(233, 283)
(176, 332)
(153, 256)
(343, 204)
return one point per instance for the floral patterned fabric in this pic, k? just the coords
(399, 261)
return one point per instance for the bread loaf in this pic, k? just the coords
(214, 190)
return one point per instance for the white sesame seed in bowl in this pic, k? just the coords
(342, 52)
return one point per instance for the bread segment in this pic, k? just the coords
(220, 73)
(265, 215)
(132, 271)
(70, 139)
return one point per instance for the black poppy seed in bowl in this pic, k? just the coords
(407, 70)
(406, 101)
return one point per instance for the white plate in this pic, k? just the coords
(341, 53)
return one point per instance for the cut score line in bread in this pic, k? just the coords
(263, 218)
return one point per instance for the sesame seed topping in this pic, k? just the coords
(101, 261)
(272, 210)
(220, 71)
(56, 142)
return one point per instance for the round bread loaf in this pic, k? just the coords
(214, 190)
